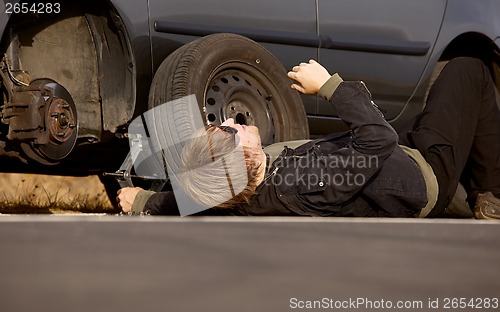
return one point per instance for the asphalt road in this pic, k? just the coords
(112, 263)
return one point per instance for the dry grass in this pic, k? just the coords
(41, 194)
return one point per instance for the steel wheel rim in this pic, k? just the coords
(238, 90)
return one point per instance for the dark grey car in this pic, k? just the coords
(75, 73)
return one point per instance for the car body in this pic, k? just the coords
(105, 54)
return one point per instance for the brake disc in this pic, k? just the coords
(60, 124)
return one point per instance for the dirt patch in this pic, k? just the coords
(34, 193)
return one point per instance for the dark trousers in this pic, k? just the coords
(458, 132)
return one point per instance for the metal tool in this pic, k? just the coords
(152, 168)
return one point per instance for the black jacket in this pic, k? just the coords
(307, 181)
(361, 173)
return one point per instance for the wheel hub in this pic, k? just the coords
(61, 120)
(236, 94)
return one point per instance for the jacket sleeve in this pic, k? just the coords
(341, 170)
(155, 203)
(140, 201)
(164, 204)
(372, 135)
(161, 203)
(354, 106)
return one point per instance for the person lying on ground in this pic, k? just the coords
(370, 171)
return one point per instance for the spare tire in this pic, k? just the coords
(233, 77)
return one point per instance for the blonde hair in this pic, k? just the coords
(216, 171)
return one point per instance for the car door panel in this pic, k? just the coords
(387, 49)
(287, 28)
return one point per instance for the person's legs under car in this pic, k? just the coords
(458, 133)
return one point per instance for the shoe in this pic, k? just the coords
(487, 206)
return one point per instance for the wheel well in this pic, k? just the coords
(84, 48)
(475, 45)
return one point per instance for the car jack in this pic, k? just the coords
(147, 165)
